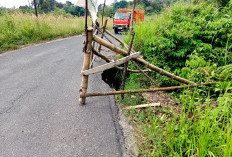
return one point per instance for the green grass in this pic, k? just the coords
(194, 42)
(202, 129)
(17, 29)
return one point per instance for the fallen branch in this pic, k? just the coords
(143, 106)
(145, 90)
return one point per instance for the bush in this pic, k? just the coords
(184, 30)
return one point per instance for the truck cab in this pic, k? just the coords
(122, 19)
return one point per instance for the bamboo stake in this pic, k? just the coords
(119, 68)
(129, 49)
(86, 66)
(144, 90)
(103, 31)
(143, 106)
(103, 11)
(142, 71)
(141, 60)
(86, 24)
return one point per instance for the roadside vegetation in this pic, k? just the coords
(17, 29)
(19, 26)
(192, 40)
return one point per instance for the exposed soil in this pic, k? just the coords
(166, 101)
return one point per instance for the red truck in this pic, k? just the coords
(122, 19)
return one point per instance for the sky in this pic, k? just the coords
(17, 3)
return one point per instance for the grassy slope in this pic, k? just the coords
(18, 29)
(203, 128)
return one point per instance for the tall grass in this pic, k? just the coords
(202, 127)
(194, 39)
(17, 29)
(204, 130)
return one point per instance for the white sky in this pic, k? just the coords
(17, 3)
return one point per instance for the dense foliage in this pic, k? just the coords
(188, 39)
(47, 6)
(192, 40)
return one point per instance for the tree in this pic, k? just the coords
(25, 9)
(69, 4)
(109, 11)
(59, 5)
(51, 4)
(121, 4)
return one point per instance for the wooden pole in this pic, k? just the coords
(142, 71)
(103, 11)
(126, 64)
(129, 49)
(35, 6)
(145, 90)
(132, 18)
(86, 16)
(143, 106)
(141, 60)
(86, 66)
(86, 24)
(102, 35)
(99, 46)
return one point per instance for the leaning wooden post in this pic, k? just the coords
(129, 49)
(103, 11)
(102, 35)
(99, 46)
(86, 65)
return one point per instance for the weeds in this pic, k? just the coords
(17, 29)
(192, 40)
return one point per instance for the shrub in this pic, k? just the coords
(170, 40)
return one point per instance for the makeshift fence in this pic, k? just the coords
(129, 56)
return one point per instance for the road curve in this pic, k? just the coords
(39, 111)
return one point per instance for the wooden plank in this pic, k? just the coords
(143, 106)
(110, 65)
(118, 68)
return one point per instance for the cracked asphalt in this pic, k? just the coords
(39, 111)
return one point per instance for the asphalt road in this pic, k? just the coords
(39, 111)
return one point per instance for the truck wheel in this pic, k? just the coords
(115, 30)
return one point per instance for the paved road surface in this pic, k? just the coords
(39, 111)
